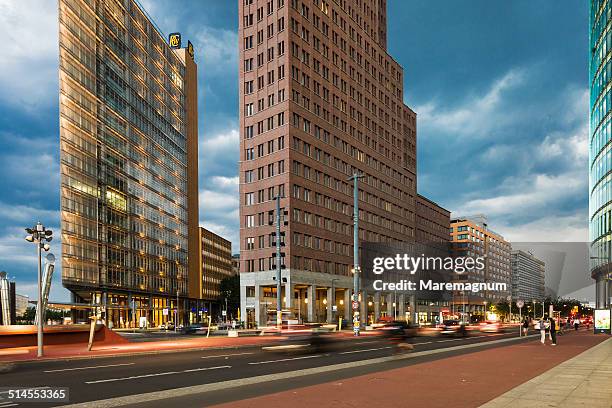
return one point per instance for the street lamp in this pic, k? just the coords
(484, 311)
(356, 318)
(40, 236)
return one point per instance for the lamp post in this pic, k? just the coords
(484, 311)
(177, 312)
(41, 237)
(356, 318)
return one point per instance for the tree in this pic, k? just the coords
(229, 289)
(29, 315)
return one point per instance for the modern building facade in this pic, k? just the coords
(216, 264)
(22, 302)
(236, 264)
(320, 100)
(8, 311)
(432, 221)
(600, 151)
(471, 237)
(527, 276)
(129, 163)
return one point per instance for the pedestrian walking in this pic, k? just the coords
(576, 324)
(525, 326)
(542, 327)
(553, 331)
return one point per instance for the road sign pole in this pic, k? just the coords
(520, 304)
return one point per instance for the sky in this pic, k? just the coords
(500, 89)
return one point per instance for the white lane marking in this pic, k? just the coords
(7, 404)
(206, 368)
(444, 341)
(425, 342)
(227, 355)
(283, 359)
(134, 377)
(87, 368)
(366, 342)
(363, 351)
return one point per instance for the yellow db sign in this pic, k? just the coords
(174, 40)
(190, 49)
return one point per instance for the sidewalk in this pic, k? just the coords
(467, 380)
(585, 380)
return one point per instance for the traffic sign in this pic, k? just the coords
(520, 304)
(334, 308)
(355, 305)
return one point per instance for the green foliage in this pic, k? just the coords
(230, 288)
(29, 315)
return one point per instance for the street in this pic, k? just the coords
(109, 377)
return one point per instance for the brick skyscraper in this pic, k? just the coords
(320, 99)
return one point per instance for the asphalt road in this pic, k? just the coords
(108, 377)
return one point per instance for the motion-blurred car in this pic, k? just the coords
(453, 328)
(193, 328)
(303, 341)
(166, 326)
(491, 327)
(399, 327)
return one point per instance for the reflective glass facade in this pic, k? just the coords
(600, 147)
(124, 137)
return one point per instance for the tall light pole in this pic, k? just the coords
(177, 312)
(356, 321)
(279, 305)
(41, 237)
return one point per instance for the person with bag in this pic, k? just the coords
(542, 327)
(552, 330)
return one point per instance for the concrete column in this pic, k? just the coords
(376, 306)
(288, 295)
(131, 313)
(243, 308)
(347, 306)
(390, 308)
(260, 315)
(413, 309)
(330, 303)
(401, 306)
(363, 312)
(312, 301)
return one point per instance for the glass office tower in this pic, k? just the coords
(128, 139)
(600, 149)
